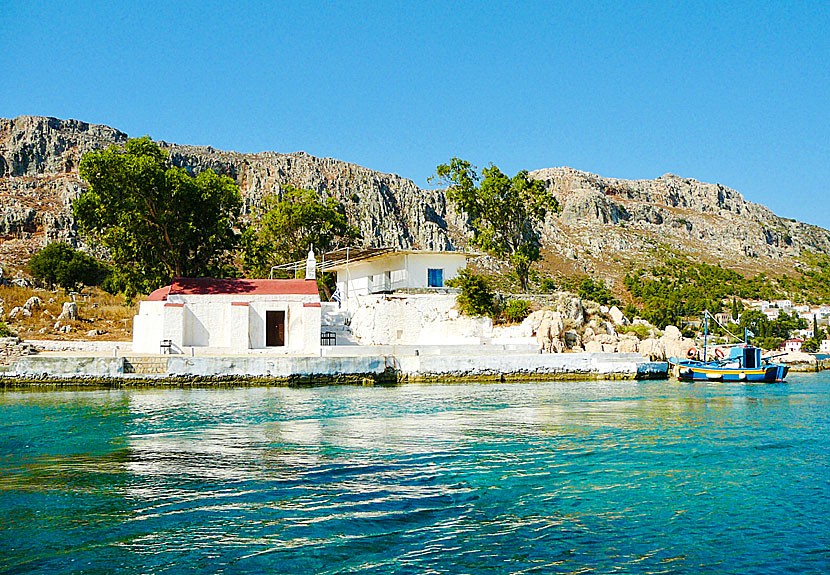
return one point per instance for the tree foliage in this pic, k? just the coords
(59, 264)
(681, 288)
(770, 334)
(591, 289)
(476, 297)
(288, 225)
(812, 285)
(504, 212)
(156, 220)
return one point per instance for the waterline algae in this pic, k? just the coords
(651, 477)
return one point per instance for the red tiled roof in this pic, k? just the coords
(208, 286)
(159, 294)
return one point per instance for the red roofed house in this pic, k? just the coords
(230, 316)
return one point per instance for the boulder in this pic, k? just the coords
(593, 346)
(628, 345)
(33, 303)
(605, 338)
(66, 329)
(652, 348)
(671, 332)
(550, 332)
(21, 282)
(19, 312)
(69, 311)
(678, 348)
(93, 333)
(796, 357)
(534, 320)
(574, 311)
(617, 316)
(572, 339)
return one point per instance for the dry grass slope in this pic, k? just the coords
(97, 310)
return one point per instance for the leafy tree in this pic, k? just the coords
(503, 211)
(157, 221)
(476, 297)
(60, 264)
(290, 224)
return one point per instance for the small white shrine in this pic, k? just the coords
(231, 316)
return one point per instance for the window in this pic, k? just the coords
(435, 277)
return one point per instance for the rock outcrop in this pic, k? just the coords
(604, 222)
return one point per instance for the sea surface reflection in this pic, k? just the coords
(577, 477)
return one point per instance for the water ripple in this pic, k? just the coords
(583, 477)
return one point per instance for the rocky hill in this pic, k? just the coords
(606, 225)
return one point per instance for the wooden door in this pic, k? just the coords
(274, 328)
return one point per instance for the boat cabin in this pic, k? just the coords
(747, 357)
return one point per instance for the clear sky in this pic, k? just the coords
(729, 92)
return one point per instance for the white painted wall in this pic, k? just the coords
(417, 319)
(394, 272)
(147, 326)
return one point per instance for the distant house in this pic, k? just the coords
(723, 317)
(772, 313)
(824, 346)
(230, 316)
(364, 272)
(792, 345)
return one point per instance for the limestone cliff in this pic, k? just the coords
(605, 226)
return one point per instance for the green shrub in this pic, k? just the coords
(5, 331)
(547, 285)
(517, 310)
(640, 330)
(476, 297)
(59, 264)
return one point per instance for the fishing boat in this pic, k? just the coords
(736, 362)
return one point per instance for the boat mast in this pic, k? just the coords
(705, 331)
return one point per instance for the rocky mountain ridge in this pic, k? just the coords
(606, 225)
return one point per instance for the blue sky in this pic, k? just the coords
(728, 92)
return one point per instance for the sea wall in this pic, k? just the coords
(354, 369)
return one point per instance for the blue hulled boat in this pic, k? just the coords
(742, 363)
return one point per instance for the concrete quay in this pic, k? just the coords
(365, 369)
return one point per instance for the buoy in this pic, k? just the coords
(719, 353)
(692, 353)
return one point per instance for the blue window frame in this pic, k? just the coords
(435, 277)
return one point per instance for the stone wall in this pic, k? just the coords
(11, 349)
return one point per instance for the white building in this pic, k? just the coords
(368, 272)
(824, 346)
(205, 315)
(772, 313)
(792, 345)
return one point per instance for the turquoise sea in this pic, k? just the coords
(575, 477)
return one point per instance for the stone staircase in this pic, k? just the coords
(145, 365)
(336, 320)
